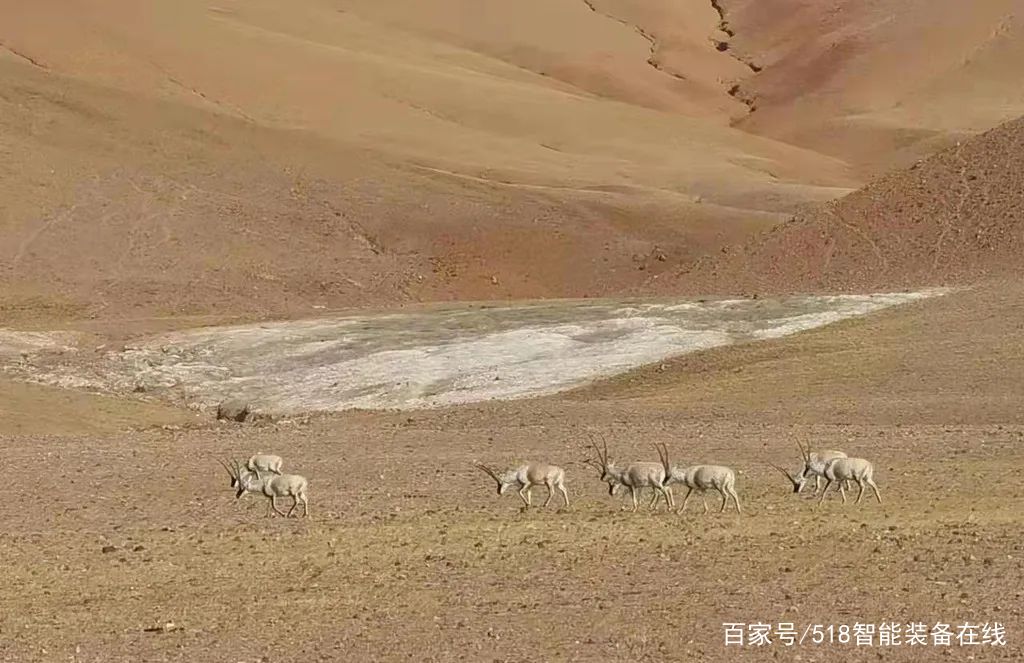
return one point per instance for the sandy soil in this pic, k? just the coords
(167, 165)
(409, 555)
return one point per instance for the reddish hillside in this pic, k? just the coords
(953, 218)
(276, 159)
(179, 158)
(877, 83)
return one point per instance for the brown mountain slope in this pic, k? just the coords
(264, 158)
(270, 158)
(878, 83)
(954, 218)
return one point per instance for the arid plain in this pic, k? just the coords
(179, 164)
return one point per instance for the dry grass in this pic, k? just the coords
(410, 555)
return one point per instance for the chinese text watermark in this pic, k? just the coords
(885, 634)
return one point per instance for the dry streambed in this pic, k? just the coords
(423, 359)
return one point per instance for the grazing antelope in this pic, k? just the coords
(635, 476)
(235, 476)
(266, 463)
(526, 477)
(706, 477)
(813, 465)
(840, 470)
(272, 487)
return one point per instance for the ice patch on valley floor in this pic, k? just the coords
(23, 344)
(436, 358)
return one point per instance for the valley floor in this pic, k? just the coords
(409, 554)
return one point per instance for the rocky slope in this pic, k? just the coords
(952, 219)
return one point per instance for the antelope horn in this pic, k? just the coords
(488, 470)
(226, 468)
(663, 454)
(805, 454)
(603, 459)
(785, 473)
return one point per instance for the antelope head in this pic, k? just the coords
(602, 465)
(244, 481)
(504, 480)
(807, 472)
(797, 480)
(232, 471)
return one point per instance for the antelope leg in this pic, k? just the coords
(551, 493)
(689, 491)
(878, 496)
(658, 492)
(736, 499)
(828, 482)
(524, 493)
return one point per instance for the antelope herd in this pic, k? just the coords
(829, 464)
(261, 475)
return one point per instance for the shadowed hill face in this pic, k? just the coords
(955, 218)
(266, 158)
(875, 82)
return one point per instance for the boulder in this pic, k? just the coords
(233, 410)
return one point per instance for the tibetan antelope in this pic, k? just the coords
(703, 478)
(526, 477)
(841, 470)
(265, 463)
(813, 465)
(272, 487)
(635, 476)
(236, 476)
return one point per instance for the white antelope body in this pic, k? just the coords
(703, 478)
(272, 487)
(636, 476)
(266, 463)
(840, 470)
(813, 464)
(526, 477)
